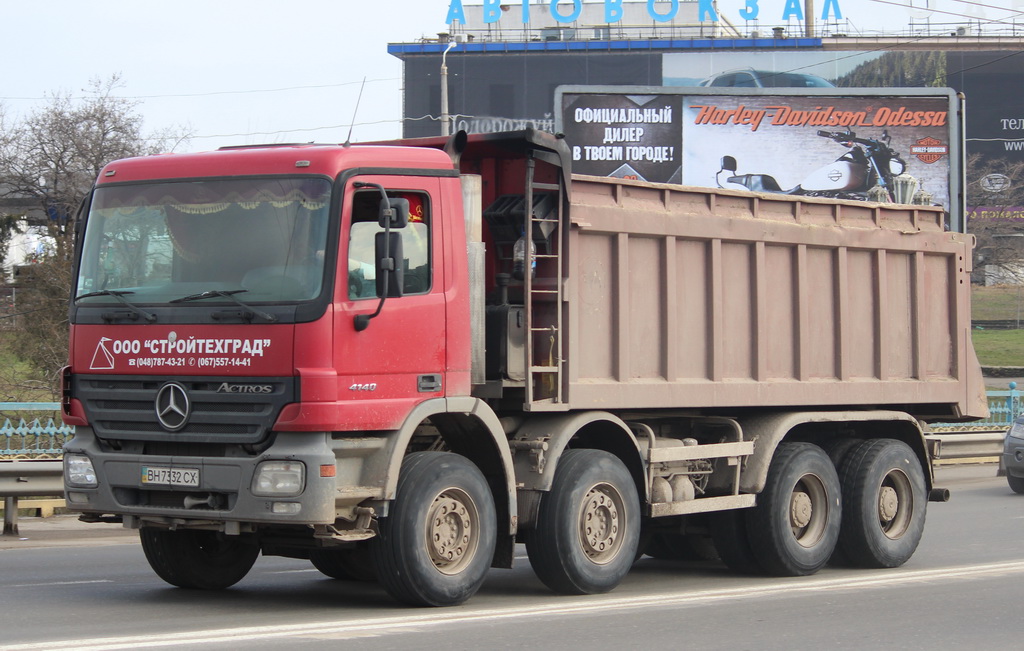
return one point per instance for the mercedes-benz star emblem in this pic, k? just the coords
(172, 406)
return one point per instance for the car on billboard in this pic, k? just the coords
(750, 78)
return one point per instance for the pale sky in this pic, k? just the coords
(258, 71)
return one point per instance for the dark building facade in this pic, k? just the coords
(500, 84)
(491, 91)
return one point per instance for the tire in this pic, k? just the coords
(203, 560)
(795, 525)
(838, 448)
(349, 564)
(729, 534)
(588, 525)
(437, 542)
(1016, 484)
(884, 504)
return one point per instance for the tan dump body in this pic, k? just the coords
(693, 297)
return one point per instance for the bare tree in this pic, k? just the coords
(53, 156)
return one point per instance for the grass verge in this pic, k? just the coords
(999, 347)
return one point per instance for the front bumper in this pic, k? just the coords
(224, 491)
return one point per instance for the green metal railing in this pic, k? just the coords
(22, 436)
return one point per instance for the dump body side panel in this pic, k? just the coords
(696, 298)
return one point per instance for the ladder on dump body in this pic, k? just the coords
(545, 355)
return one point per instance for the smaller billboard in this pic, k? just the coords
(859, 144)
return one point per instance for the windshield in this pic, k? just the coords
(163, 241)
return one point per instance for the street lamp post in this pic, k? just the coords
(445, 127)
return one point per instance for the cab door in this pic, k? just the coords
(398, 360)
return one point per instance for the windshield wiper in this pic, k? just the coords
(119, 294)
(228, 294)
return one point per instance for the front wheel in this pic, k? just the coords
(883, 503)
(204, 560)
(795, 525)
(1016, 484)
(588, 525)
(436, 544)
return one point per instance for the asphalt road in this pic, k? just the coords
(60, 588)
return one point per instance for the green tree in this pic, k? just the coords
(53, 156)
(899, 70)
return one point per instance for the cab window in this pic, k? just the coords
(362, 270)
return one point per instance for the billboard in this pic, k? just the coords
(867, 144)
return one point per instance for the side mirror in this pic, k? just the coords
(390, 264)
(728, 163)
(394, 213)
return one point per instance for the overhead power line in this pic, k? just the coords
(1001, 21)
(218, 92)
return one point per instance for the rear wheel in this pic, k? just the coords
(436, 545)
(838, 448)
(350, 564)
(795, 525)
(588, 525)
(883, 503)
(205, 560)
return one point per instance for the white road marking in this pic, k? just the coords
(565, 606)
(40, 585)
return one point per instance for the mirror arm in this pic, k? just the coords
(362, 321)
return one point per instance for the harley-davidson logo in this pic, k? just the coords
(929, 150)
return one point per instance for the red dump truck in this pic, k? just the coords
(399, 360)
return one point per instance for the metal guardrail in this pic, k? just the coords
(27, 478)
(30, 456)
(965, 445)
(980, 438)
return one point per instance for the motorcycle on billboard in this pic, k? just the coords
(867, 164)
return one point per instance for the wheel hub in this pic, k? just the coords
(895, 504)
(451, 534)
(888, 504)
(808, 510)
(800, 510)
(600, 523)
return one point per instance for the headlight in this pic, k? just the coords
(279, 479)
(1017, 430)
(896, 166)
(78, 471)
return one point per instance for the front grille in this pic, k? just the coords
(124, 407)
(178, 449)
(119, 427)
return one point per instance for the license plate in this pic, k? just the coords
(170, 476)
